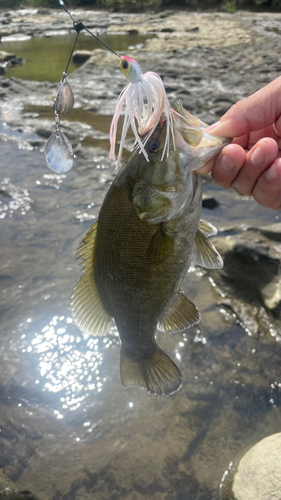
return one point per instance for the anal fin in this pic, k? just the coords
(158, 373)
(181, 315)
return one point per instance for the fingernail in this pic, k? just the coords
(225, 129)
(271, 173)
(211, 127)
(227, 162)
(258, 157)
(277, 126)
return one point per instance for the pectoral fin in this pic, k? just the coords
(204, 253)
(207, 228)
(182, 315)
(158, 373)
(87, 309)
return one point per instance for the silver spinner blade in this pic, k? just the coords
(65, 98)
(58, 153)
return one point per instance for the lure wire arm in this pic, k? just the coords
(79, 26)
(70, 57)
(104, 44)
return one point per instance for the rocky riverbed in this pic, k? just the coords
(69, 430)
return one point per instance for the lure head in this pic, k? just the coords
(130, 69)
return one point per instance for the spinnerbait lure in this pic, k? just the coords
(145, 99)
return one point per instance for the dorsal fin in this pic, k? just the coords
(207, 228)
(182, 315)
(205, 254)
(88, 311)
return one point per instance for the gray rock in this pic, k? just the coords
(7, 59)
(6, 56)
(259, 471)
(9, 491)
(44, 12)
(252, 267)
(210, 202)
(222, 108)
(81, 56)
(272, 232)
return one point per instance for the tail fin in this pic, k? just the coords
(158, 373)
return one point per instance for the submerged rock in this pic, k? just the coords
(6, 56)
(259, 471)
(210, 202)
(252, 267)
(9, 490)
(7, 60)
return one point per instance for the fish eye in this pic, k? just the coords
(125, 64)
(154, 147)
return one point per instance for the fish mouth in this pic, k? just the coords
(194, 130)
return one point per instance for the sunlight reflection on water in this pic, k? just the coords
(17, 198)
(69, 363)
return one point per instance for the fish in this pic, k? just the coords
(137, 254)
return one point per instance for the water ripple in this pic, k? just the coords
(13, 198)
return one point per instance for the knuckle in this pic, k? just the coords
(241, 191)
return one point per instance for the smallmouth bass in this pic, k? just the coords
(137, 254)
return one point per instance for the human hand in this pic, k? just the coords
(251, 164)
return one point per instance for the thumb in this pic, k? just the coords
(261, 109)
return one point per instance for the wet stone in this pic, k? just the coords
(43, 133)
(259, 471)
(272, 231)
(222, 108)
(10, 491)
(252, 267)
(81, 56)
(210, 202)
(43, 12)
(6, 56)
(194, 30)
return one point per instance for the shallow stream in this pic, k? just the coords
(68, 429)
(46, 57)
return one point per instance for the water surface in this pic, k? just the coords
(46, 57)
